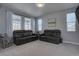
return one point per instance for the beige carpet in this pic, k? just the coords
(39, 48)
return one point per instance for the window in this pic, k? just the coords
(71, 22)
(16, 22)
(39, 24)
(27, 24)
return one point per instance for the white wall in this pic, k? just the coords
(61, 24)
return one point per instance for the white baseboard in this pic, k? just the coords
(75, 43)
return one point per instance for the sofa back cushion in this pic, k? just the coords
(27, 33)
(56, 33)
(21, 33)
(18, 33)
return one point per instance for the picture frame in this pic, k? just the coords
(52, 22)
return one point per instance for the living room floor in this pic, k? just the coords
(40, 48)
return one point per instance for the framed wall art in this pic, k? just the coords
(52, 22)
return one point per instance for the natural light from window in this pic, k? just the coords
(16, 22)
(71, 22)
(39, 24)
(27, 24)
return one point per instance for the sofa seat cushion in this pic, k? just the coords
(49, 37)
(25, 38)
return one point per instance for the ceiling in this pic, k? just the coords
(31, 9)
